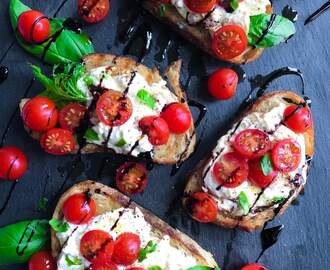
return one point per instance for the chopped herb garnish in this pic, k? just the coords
(266, 165)
(70, 261)
(162, 10)
(150, 248)
(277, 199)
(146, 98)
(243, 202)
(42, 205)
(154, 267)
(58, 226)
(234, 4)
(121, 142)
(91, 135)
(89, 80)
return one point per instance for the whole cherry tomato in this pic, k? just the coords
(299, 119)
(126, 250)
(202, 207)
(177, 117)
(42, 260)
(254, 266)
(222, 83)
(13, 163)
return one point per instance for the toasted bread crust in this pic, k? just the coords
(257, 221)
(108, 199)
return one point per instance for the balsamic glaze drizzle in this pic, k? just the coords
(3, 73)
(318, 13)
(12, 188)
(290, 13)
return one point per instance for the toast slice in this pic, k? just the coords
(257, 217)
(179, 146)
(108, 199)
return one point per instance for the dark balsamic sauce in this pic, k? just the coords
(318, 13)
(4, 71)
(290, 13)
(10, 193)
(167, 49)
(73, 25)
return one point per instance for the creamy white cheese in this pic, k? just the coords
(132, 220)
(129, 131)
(267, 120)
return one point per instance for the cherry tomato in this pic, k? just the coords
(58, 141)
(299, 119)
(131, 178)
(254, 266)
(71, 115)
(177, 117)
(13, 163)
(202, 207)
(33, 26)
(97, 246)
(79, 208)
(156, 129)
(231, 170)
(257, 176)
(229, 41)
(286, 155)
(200, 6)
(136, 268)
(40, 114)
(252, 143)
(113, 108)
(93, 11)
(42, 260)
(126, 250)
(222, 83)
(103, 265)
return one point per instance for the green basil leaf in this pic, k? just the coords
(70, 261)
(58, 226)
(89, 80)
(20, 240)
(277, 199)
(69, 46)
(281, 29)
(162, 10)
(146, 98)
(154, 267)
(121, 142)
(266, 165)
(243, 202)
(42, 205)
(150, 248)
(91, 135)
(200, 267)
(234, 4)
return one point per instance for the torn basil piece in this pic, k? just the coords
(266, 165)
(121, 142)
(70, 261)
(145, 98)
(243, 202)
(58, 226)
(150, 248)
(91, 135)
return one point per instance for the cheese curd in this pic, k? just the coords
(166, 255)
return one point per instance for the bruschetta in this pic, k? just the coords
(257, 168)
(95, 226)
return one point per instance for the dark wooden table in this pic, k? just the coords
(304, 243)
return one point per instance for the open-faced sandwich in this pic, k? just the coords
(95, 227)
(258, 167)
(111, 103)
(232, 30)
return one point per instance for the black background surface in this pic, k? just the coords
(304, 243)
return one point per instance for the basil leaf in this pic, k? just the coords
(199, 267)
(146, 98)
(243, 202)
(42, 205)
(162, 10)
(234, 4)
(266, 165)
(154, 267)
(281, 29)
(70, 261)
(91, 135)
(58, 226)
(277, 199)
(150, 248)
(20, 240)
(121, 142)
(89, 80)
(69, 46)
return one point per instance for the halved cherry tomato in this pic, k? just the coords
(231, 170)
(257, 176)
(103, 265)
(42, 260)
(97, 245)
(93, 11)
(13, 163)
(200, 6)
(222, 83)
(126, 250)
(33, 26)
(156, 129)
(136, 268)
(131, 178)
(202, 207)
(286, 155)
(40, 114)
(177, 117)
(299, 119)
(71, 115)
(58, 141)
(79, 208)
(254, 266)
(252, 143)
(113, 108)
(229, 41)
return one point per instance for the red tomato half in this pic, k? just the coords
(131, 178)
(13, 163)
(58, 141)
(222, 83)
(103, 265)
(79, 208)
(71, 115)
(40, 114)
(229, 41)
(230, 170)
(136, 268)
(93, 11)
(256, 175)
(177, 117)
(254, 266)
(113, 108)
(156, 129)
(33, 26)
(42, 260)
(299, 119)
(126, 250)
(252, 143)
(202, 207)
(200, 6)
(286, 155)
(97, 246)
